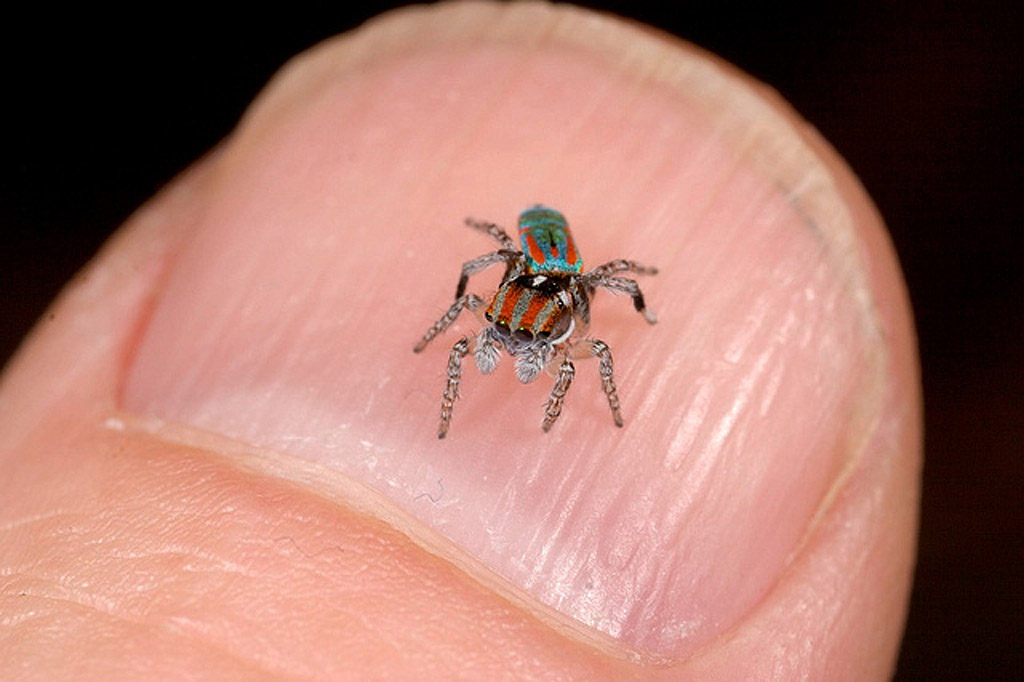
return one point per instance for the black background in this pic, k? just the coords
(924, 103)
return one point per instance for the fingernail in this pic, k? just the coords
(334, 239)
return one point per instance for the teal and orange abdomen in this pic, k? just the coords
(547, 242)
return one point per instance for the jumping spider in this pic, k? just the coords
(540, 312)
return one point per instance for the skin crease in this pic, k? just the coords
(125, 553)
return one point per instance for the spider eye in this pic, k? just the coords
(524, 334)
(502, 328)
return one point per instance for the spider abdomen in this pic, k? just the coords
(547, 242)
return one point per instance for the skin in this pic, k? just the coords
(133, 545)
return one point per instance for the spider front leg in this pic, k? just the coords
(566, 372)
(471, 301)
(601, 351)
(451, 389)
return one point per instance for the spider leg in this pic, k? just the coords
(566, 372)
(621, 265)
(493, 231)
(451, 389)
(471, 301)
(482, 263)
(601, 351)
(622, 285)
(581, 293)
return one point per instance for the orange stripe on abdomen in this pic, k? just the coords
(536, 253)
(571, 255)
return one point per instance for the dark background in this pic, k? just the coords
(925, 104)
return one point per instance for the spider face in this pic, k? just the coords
(540, 312)
(532, 307)
(530, 316)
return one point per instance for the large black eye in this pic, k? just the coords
(501, 328)
(524, 334)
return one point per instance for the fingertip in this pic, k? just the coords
(749, 396)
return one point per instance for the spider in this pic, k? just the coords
(540, 312)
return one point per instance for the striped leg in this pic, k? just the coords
(493, 231)
(554, 408)
(471, 301)
(621, 265)
(604, 355)
(601, 351)
(482, 263)
(451, 389)
(625, 286)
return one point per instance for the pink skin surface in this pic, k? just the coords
(254, 443)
